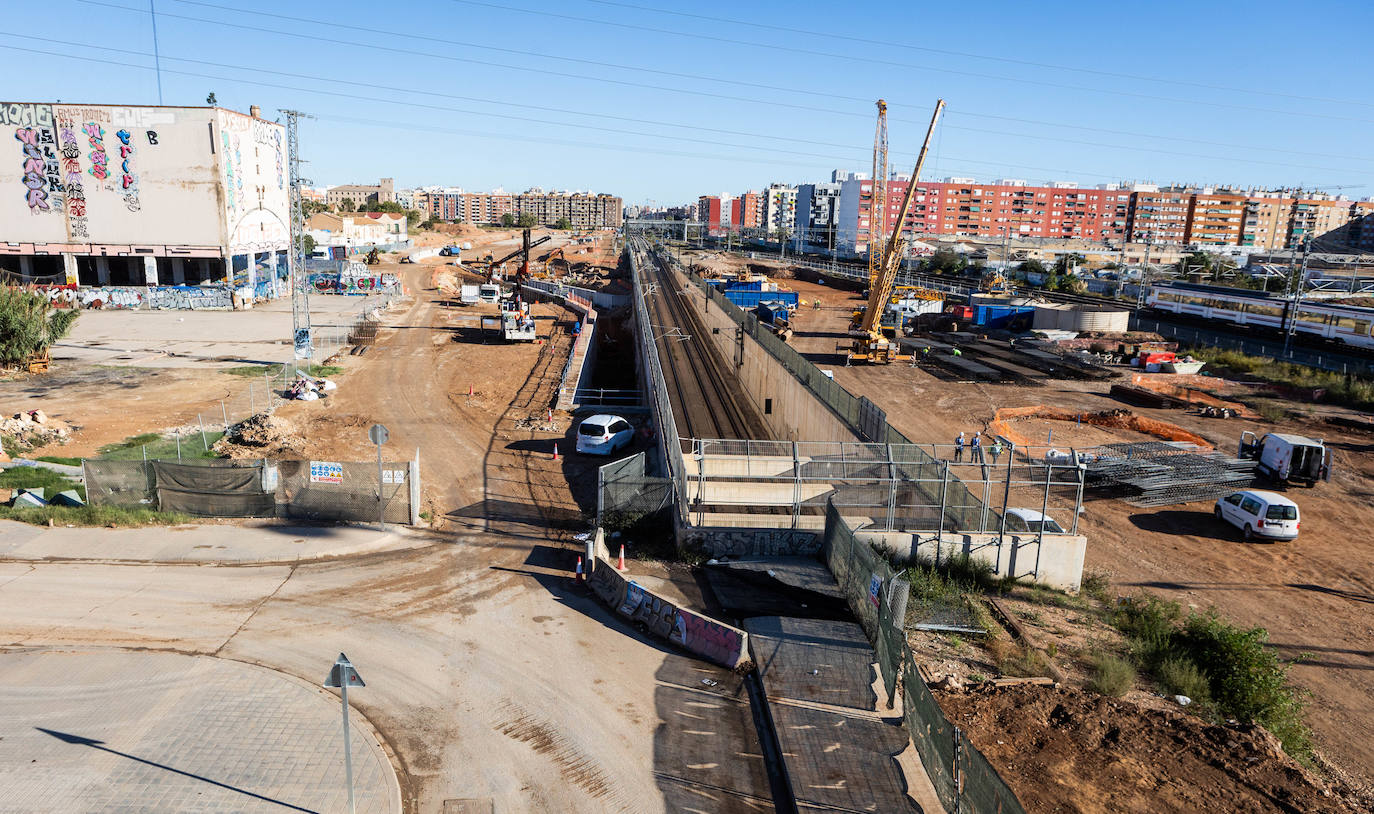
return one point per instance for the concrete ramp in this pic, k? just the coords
(839, 755)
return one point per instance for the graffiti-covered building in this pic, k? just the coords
(113, 195)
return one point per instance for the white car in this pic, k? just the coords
(1267, 515)
(604, 434)
(1031, 520)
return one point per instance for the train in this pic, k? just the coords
(1348, 325)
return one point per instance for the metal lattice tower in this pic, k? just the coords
(877, 209)
(295, 260)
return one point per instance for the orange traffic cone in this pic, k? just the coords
(555, 452)
(579, 569)
(620, 565)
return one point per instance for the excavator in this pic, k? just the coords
(526, 245)
(559, 253)
(871, 344)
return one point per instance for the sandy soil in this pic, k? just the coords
(1313, 595)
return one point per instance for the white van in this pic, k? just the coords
(1031, 520)
(1259, 514)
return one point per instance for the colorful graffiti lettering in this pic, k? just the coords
(22, 114)
(712, 640)
(95, 135)
(231, 197)
(35, 175)
(128, 180)
(71, 174)
(238, 177)
(190, 298)
(277, 151)
(332, 283)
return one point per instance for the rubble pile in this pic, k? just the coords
(259, 436)
(35, 429)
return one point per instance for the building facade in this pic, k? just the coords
(359, 195)
(1216, 219)
(780, 209)
(714, 211)
(817, 212)
(584, 210)
(123, 195)
(747, 211)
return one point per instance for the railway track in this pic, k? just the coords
(708, 400)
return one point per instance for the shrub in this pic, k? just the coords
(1095, 585)
(1112, 675)
(1180, 676)
(1149, 623)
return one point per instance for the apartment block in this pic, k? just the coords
(584, 210)
(817, 209)
(1158, 215)
(780, 209)
(714, 211)
(747, 211)
(1216, 219)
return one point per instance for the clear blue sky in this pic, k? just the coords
(589, 94)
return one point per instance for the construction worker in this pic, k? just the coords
(816, 304)
(977, 455)
(995, 450)
(959, 448)
(955, 352)
(925, 352)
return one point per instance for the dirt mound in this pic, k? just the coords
(262, 436)
(1002, 423)
(1065, 750)
(459, 229)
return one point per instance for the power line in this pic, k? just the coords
(827, 111)
(830, 35)
(904, 65)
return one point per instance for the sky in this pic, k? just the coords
(660, 103)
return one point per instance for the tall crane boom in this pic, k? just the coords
(871, 344)
(877, 203)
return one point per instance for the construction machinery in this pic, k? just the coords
(525, 245)
(870, 343)
(548, 262)
(877, 208)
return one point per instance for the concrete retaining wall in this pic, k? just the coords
(702, 636)
(753, 542)
(1055, 561)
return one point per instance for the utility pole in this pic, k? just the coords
(1299, 284)
(295, 260)
(157, 57)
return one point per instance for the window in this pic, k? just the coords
(1234, 500)
(1250, 506)
(1281, 513)
(767, 406)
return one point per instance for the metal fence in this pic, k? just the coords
(299, 490)
(963, 779)
(1218, 337)
(669, 444)
(626, 492)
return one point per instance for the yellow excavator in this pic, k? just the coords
(871, 344)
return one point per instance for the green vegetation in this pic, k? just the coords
(1226, 668)
(1111, 675)
(526, 221)
(563, 223)
(29, 325)
(58, 459)
(258, 371)
(157, 446)
(37, 477)
(92, 516)
(508, 219)
(308, 244)
(1340, 389)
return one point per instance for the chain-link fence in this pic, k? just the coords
(669, 444)
(300, 490)
(963, 779)
(626, 493)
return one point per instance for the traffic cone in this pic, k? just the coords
(579, 569)
(620, 564)
(555, 451)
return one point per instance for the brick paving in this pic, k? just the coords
(177, 734)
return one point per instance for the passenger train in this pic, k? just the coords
(1344, 324)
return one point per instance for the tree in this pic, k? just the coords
(29, 325)
(945, 261)
(345, 206)
(390, 207)
(1065, 263)
(211, 100)
(526, 221)
(1032, 267)
(563, 223)
(311, 207)
(308, 243)
(413, 218)
(508, 219)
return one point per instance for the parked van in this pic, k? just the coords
(1283, 457)
(1259, 514)
(1032, 520)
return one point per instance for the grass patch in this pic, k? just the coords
(1227, 668)
(92, 516)
(1340, 389)
(1111, 675)
(1095, 585)
(36, 477)
(258, 371)
(58, 459)
(155, 446)
(1015, 659)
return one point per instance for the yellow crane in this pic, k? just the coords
(877, 202)
(870, 344)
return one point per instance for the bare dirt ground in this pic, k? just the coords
(1315, 595)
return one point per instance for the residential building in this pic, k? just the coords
(1158, 214)
(714, 212)
(584, 210)
(780, 209)
(356, 230)
(126, 195)
(1216, 218)
(1314, 216)
(356, 195)
(747, 211)
(1265, 226)
(817, 210)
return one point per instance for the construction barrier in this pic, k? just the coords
(700, 635)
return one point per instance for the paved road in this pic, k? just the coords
(114, 731)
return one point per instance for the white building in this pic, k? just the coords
(780, 209)
(354, 231)
(99, 195)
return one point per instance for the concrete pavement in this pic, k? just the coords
(251, 542)
(162, 732)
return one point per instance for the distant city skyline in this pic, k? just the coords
(656, 104)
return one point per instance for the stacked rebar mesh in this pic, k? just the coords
(1162, 473)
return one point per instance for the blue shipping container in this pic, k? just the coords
(751, 299)
(999, 316)
(738, 286)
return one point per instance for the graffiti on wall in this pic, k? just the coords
(334, 283)
(100, 162)
(190, 298)
(37, 137)
(93, 297)
(128, 179)
(714, 641)
(230, 191)
(71, 178)
(35, 178)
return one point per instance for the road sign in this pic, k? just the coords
(378, 434)
(343, 671)
(343, 676)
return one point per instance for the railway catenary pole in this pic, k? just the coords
(295, 259)
(1297, 287)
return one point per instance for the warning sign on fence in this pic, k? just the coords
(393, 476)
(875, 587)
(326, 472)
